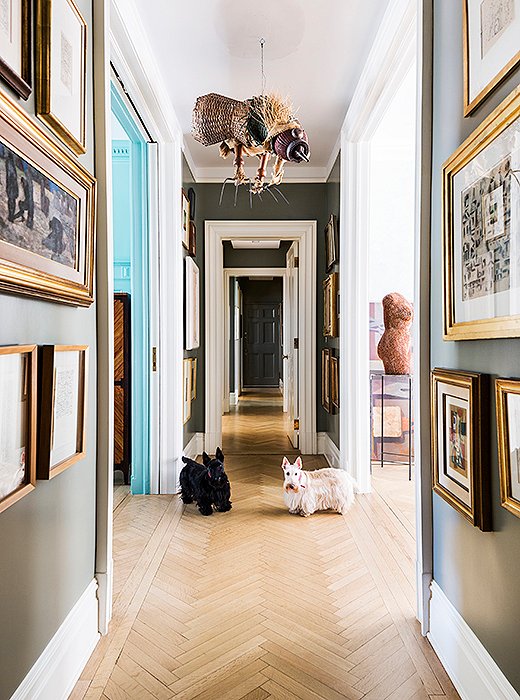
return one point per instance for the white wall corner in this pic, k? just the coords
(329, 450)
(472, 670)
(55, 673)
(195, 446)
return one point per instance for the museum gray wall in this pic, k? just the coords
(47, 539)
(479, 572)
(306, 201)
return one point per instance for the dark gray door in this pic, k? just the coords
(261, 344)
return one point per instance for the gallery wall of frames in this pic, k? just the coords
(48, 330)
(475, 317)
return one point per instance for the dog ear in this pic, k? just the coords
(285, 463)
(206, 459)
(298, 464)
(219, 455)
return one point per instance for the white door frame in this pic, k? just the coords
(230, 272)
(119, 38)
(398, 43)
(216, 232)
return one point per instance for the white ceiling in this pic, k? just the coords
(314, 53)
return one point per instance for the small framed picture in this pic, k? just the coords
(491, 47)
(331, 242)
(63, 408)
(334, 383)
(192, 304)
(18, 389)
(460, 461)
(61, 54)
(481, 200)
(193, 378)
(330, 306)
(508, 428)
(185, 220)
(192, 246)
(15, 43)
(186, 392)
(325, 380)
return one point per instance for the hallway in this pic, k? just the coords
(257, 603)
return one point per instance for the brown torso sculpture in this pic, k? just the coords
(394, 348)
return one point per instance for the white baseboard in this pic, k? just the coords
(328, 448)
(473, 672)
(233, 398)
(195, 446)
(55, 673)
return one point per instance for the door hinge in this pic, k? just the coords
(154, 359)
(296, 423)
(296, 262)
(296, 343)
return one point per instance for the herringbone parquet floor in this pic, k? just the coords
(257, 603)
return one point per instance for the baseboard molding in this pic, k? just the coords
(328, 448)
(55, 673)
(195, 446)
(473, 672)
(233, 398)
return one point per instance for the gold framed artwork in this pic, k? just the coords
(460, 463)
(186, 390)
(63, 408)
(491, 47)
(192, 247)
(331, 242)
(47, 202)
(330, 306)
(481, 201)
(15, 43)
(192, 304)
(18, 389)
(325, 380)
(61, 65)
(508, 429)
(334, 383)
(193, 378)
(185, 220)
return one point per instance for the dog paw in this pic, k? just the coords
(186, 500)
(206, 511)
(293, 512)
(304, 514)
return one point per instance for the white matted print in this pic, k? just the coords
(186, 390)
(65, 406)
(192, 304)
(513, 424)
(454, 450)
(508, 429)
(15, 35)
(492, 47)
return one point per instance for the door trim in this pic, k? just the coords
(216, 232)
(230, 272)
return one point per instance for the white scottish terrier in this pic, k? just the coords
(307, 492)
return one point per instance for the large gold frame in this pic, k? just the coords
(19, 278)
(501, 327)
(503, 387)
(477, 384)
(44, 76)
(471, 105)
(330, 306)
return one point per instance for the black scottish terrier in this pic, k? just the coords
(206, 484)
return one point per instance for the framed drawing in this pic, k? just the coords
(18, 389)
(192, 305)
(186, 391)
(481, 232)
(47, 210)
(63, 408)
(331, 242)
(15, 43)
(460, 461)
(508, 429)
(193, 378)
(61, 64)
(491, 47)
(330, 306)
(192, 244)
(185, 220)
(325, 379)
(334, 382)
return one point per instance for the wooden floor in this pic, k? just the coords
(256, 603)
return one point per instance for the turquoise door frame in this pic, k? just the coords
(140, 296)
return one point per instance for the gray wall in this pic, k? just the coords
(245, 257)
(479, 572)
(306, 201)
(47, 539)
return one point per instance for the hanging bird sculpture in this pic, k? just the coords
(262, 126)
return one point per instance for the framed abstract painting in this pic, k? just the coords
(459, 459)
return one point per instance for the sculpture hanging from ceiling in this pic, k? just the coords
(261, 126)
